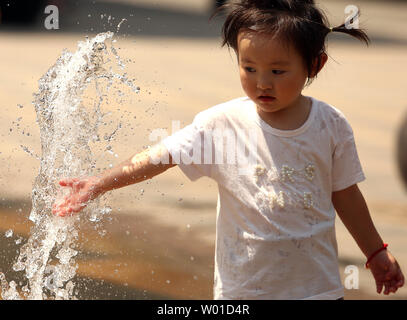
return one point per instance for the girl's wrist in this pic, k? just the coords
(374, 254)
(97, 186)
(373, 244)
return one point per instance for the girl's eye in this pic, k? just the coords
(248, 69)
(278, 71)
(251, 70)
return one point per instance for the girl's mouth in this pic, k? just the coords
(266, 98)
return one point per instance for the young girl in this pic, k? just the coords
(275, 233)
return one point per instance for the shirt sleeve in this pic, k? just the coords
(346, 168)
(187, 148)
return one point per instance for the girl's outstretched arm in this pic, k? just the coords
(142, 166)
(354, 213)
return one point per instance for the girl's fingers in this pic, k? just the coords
(401, 276)
(400, 279)
(386, 288)
(67, 182)
(60, 213)
(64, 212)
(64, 183)
(394, 280)
(75, 208)
(379, 287)
(55, 210)
(393, 287)
(56, 207)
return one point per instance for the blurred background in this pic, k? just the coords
(159, 240)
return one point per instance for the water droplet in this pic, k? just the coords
(102, 233)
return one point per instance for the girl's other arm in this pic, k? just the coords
(354, 213)
(138, 168)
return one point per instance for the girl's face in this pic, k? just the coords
(272, 75)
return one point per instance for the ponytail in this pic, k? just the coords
(357, 33)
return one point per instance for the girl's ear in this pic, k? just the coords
(319, 63)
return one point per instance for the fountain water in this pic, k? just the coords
(67, 128)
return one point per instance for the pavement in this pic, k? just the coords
(159, 241)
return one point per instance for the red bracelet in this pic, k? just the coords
(374, 254)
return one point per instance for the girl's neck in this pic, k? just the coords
(291, 117)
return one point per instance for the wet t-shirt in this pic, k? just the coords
(275, 227)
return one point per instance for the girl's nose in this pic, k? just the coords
(264, 83)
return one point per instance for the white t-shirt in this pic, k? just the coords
(275, 227)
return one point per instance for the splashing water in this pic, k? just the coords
(66, 128)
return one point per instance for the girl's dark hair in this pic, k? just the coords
(297, 22)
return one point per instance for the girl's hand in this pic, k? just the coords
(82, 191)
(386, 272)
